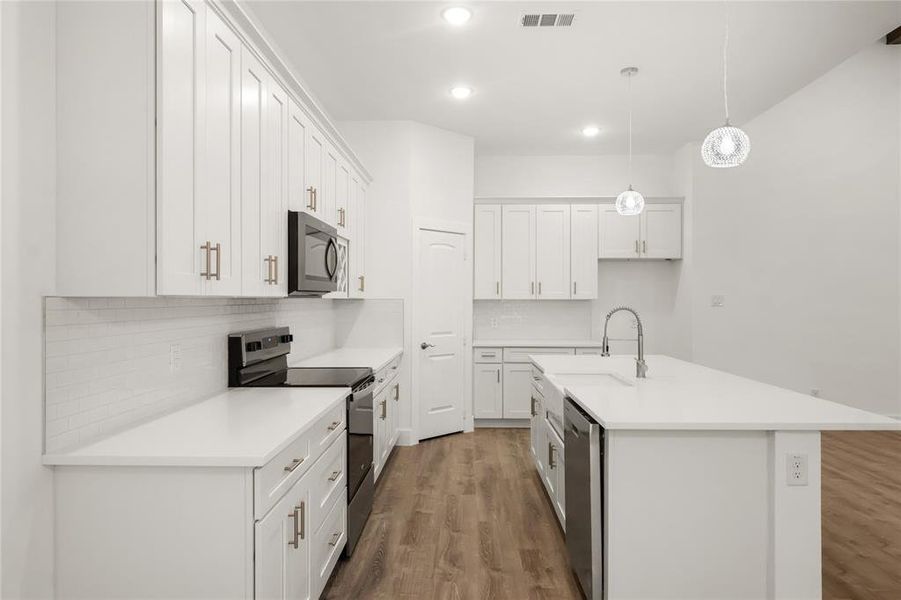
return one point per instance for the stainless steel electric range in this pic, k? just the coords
(259, 359)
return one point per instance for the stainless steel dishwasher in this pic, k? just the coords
(584, 447)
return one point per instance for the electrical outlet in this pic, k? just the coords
(494, 322)
(796, 469)
(717, 301)
(174, 358)
(815, 392)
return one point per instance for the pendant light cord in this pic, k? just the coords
(725, 61)
(630, 131)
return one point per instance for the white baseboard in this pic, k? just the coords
(513, 423)
(405, 438)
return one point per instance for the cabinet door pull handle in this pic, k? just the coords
(268, 261)
(574, 288)
(275, 270)
(207, 275)
(334, 476)
(218, 249)
(539, 288)
(362, 279)
(334, 540)
(498, 375)
(396, 392)
(644, 246)
(294, 464)
(303, 520)
(334, 425)
(311, 190)
(636, 247)
(532, 292)
(497, 288)
(384, 409)
(296, 534)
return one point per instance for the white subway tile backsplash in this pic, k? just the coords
(108, 363)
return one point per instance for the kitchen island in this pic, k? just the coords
(711, 482)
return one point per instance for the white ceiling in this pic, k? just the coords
(537, 88)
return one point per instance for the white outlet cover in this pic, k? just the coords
(796, 469)
(717, 301)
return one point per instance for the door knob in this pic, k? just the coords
(425, 345)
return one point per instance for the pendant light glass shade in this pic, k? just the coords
(725, 147)
(630, 203)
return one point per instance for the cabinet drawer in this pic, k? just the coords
(521, 355)
(384, 375)
(327, 429)
(272, 480)
(328, 478)
(488, 355)
(328, 543)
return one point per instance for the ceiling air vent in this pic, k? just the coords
(547, 20)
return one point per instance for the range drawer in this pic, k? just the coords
(521, 355)
(328, 542)
(272, 480)
(488, 355)
(328, 478)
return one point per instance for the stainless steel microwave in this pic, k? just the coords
(312, 256)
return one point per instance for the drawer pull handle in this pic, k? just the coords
(294, 464)
(334, 425)
(334, 540)
(335, 475)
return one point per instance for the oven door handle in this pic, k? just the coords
(331, 258)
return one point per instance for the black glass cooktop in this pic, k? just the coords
(314, 377)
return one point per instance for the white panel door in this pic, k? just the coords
(518, 253)
(180, 139)
(438, 311)
(552, 251)
(584, 251)
(618, 236)
(220, 160)
(487, 252)
(282, 548)
(518, 391)
(661, 231)
(487, 393)
(298, 125)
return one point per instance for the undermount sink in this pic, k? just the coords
(565, 379)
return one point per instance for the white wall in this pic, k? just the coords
(419, 172)
(576, 176)
(803, 241)
(28, 261)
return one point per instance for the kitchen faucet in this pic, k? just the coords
(641, 367)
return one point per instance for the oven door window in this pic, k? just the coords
(321, 256)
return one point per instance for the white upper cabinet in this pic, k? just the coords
(661, 231)
(487, 251)
(179, 182)
(553, 251)
(264, 141)
(518, 252)
(655, 233)
(617, 235)
(584, 251)
(180, 259)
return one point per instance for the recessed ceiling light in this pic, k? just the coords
(461, 92)
(590, 131)
(456, 15)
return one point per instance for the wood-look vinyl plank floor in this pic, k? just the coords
(466, 517)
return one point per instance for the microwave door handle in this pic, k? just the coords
(331, 255)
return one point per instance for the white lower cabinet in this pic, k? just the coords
(488, 391)
(535, 420)
(282, 548)
(328, 542)
(554, 471)
(517, 390)
(385, 415)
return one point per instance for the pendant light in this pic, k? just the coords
(630, 202)
(725, 146)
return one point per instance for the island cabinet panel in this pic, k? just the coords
(487, 252)
(552, 254)
(282, 553)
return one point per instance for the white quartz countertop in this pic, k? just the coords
(375, 358)
(682, 395)
(538, 343)
(243, 427)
